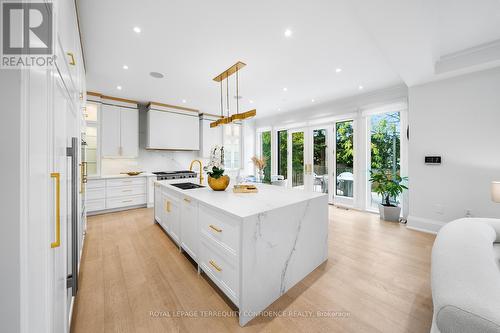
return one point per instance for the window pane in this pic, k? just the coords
(232, 146)
(344, 154)
(385, 145)
(282, 153)
(266, 154)
(298, 159)
(320, 161)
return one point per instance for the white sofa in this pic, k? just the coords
(465, 277)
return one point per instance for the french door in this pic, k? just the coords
(320, 159)
(298, 166)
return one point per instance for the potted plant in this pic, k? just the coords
(388, 186)
(215, 170)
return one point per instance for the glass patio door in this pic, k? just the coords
(343, 173)
(298, 169)
(319, 158)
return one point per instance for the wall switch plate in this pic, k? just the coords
(433, 160)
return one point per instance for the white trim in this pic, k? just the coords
(390, 107)
(424, 224)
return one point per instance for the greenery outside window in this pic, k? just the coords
(344, 157)
(283, 153)
(265, 149)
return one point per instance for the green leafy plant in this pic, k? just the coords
(216, 172)
(387, 185)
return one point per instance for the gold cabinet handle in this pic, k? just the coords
(72, 56)
(167, 206)
(214, 265)
(187, 200)
(215, 228)
(57, 177)
(85, 172)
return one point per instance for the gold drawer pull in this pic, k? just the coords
(72, 56)
(126, 201)
(167, 206)
(57, 177)
(215, 266)
(187, 200)
(215, 228)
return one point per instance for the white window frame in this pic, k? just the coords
(224, 138)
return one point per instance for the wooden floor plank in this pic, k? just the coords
(133, 279)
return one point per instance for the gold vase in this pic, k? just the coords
(219, 184)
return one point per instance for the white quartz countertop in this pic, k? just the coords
(144, 174)
(243, 205)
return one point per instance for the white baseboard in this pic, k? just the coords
(424, 225)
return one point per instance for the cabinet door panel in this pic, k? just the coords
(189, 227)
(110, 139)
(129, 132)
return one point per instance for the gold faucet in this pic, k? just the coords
(201, 169)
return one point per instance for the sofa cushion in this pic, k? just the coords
(466, 276)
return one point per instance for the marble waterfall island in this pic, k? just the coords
(253, 246)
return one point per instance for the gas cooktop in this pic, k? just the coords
(162, 175)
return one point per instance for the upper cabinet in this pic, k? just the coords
(119, 131)
(209, 136)
(172, 127)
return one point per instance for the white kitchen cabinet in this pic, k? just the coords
(172, 128)
(172, 215)
(119, 131)
(104, 195)
(189, 227)
(158, 199)
(209, 137)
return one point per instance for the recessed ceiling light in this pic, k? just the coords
(157, 75)
(119, 87)
(125, 67)
(137, 30)
(313, 100)
(251, 101)
(285, 89)
(361, 87)
(279, 109)
(288, 33)
(184, 101)
(338, 70)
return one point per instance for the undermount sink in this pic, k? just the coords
(187, 186)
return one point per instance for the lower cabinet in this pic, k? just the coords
(209, 236)
(189, 227)
(115, 193)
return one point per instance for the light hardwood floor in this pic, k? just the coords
(376, 280)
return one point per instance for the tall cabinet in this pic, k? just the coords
(119, 130)
(51, 109)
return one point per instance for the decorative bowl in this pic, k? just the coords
(218, 184)
(132, 173)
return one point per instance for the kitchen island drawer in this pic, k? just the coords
(120, 191)
(221, 267)
(222, 228)
(126, 181)
(119, 202)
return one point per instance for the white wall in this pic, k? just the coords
(459, 119)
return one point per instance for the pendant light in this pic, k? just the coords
(228, 118)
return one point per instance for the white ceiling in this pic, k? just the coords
(377, 43)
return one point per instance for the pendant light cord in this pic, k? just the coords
(221, 102)
(227, 95)
(237, 91)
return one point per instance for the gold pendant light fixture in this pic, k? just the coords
(228, 118)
